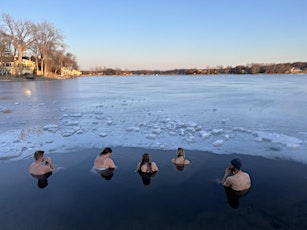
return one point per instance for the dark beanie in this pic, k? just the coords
(236, 163)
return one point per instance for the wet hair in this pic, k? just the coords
(180, 152)
(38, 154)
(106, 151)
(146, 160)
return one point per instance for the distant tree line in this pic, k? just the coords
(283, 68)
(40, 42)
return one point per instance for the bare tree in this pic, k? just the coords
(70, 61)
(20, 34)
(47, 41)
(57, 61)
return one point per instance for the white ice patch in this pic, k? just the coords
(218, 143)
(204, 134)
(150, 122)
(103, 134)
(150, 136)
(290, 142)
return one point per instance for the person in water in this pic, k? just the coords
(104, 161)
(37, 167)
(239, 180)
(146, 166)
(180, 158)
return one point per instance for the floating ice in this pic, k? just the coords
(50, 127)
(130, 129)
(150, 136)
(153, 118)
(241, 129)
(218, 143)
(103, 134)
(204, 134)
(72, 123)
(277, 138)
(217, 131)
(156, 131)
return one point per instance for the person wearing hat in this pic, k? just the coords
(239, 180)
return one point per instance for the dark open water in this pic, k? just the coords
(78, 198)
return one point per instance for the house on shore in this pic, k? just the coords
(70, 72)
(10, 66)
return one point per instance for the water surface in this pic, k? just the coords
(77, 197)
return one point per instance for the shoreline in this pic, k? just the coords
(9, 78)
(32, 77)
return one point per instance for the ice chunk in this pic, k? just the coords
(166, 120)
(240, 129)
(72, 123)
(156, 131)
(150, 136)
(67, 134)
(191, 139)
(204, 134)
(292, 146)
(130, 129)
(47, 127)
(217, 131)
(277, 138)
(77, 115)
(190, 129)
(103, 134)
(218, 143)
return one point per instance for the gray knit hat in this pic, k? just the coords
(236, 163)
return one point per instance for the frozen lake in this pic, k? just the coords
(261, 115)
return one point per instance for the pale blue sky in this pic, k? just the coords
(168, 34)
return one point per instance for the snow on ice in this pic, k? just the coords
(135, 120)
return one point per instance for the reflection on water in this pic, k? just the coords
(234, 196)
(42, 180)
(179, 167)
(146, 177)
(107, 174)
(79, 198)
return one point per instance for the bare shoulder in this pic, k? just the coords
(154, 166)
(32, 168)
(229, 181)
(111, 163)
(138, 167)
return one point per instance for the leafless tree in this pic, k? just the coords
(20, 33)
(70, 61)
(47, 42)
(57, 61)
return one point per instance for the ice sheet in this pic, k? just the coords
(256, 115)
